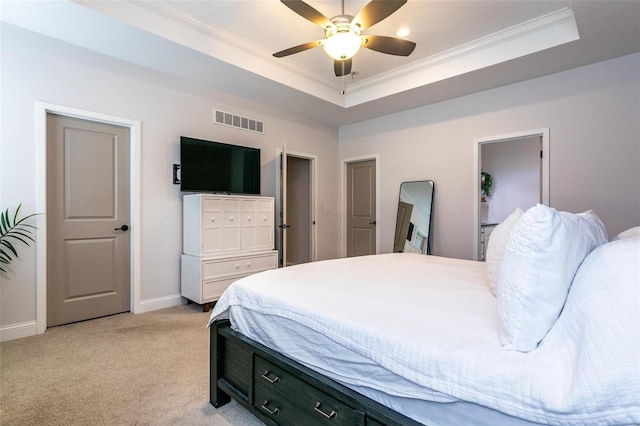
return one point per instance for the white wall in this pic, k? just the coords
(36, 68)
(515, 166)
(593, 114)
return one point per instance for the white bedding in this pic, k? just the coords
(431, 323)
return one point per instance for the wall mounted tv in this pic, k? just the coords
(207, 166)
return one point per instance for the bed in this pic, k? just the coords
(403, 339)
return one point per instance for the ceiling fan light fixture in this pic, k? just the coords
(343, 39)
(342, 33)
(342, 46)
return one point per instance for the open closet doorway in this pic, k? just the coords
(517, 165)
(297, 201)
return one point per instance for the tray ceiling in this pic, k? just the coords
(462, 46)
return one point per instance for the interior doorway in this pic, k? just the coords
(297, 201)
(88, 219)
(42, 111)
(518, 166)
(361, 207)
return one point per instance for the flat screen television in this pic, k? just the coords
(207, 166)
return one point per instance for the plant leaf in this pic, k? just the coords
(16, 230)
(4, 222)
(15, 216)
(10, 246)
(20, 233)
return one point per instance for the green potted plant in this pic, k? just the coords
(486, 185)
(13, 230)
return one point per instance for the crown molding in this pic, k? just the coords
(532, 36)
(171, 22)
(168, 20)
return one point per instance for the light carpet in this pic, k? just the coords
(144, 369)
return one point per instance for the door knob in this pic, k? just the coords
(122, 228)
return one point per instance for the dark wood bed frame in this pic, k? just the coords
(281, 391)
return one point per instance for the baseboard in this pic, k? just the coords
(18, 331)
(26, 329)
(161, 303)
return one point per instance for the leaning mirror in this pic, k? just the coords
(413, 224)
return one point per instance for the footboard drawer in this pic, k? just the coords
(282, 392)
(290, 401)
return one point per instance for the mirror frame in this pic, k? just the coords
(403, 227)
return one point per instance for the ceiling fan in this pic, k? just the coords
(343, 33)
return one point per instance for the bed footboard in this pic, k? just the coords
(280, 391)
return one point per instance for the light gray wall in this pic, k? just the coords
(36, 68)
(593, 114)
(515, 166)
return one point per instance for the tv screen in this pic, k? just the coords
(207, 166)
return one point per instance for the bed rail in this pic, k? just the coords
(281, 391)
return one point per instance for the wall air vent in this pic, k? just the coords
(232, 120)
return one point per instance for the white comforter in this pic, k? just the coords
(433, 322)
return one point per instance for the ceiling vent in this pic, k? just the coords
(232, 120)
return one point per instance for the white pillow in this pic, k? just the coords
(629, 233)
(495, 247)
(541, 257)
(591, 216)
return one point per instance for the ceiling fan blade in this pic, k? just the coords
(308, 12)
(388, 45)
(342, 67)
(375, 11)
(298, 49)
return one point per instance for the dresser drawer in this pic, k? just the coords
(290, 401)
(211, 204)
(237, 266)
(211, 219)
(248, 219)
(249, 205)
(213, 289)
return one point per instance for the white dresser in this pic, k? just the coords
(225, 237)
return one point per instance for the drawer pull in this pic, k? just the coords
(248, 264)
(268, 379)
(331, 415)
(272, 412)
